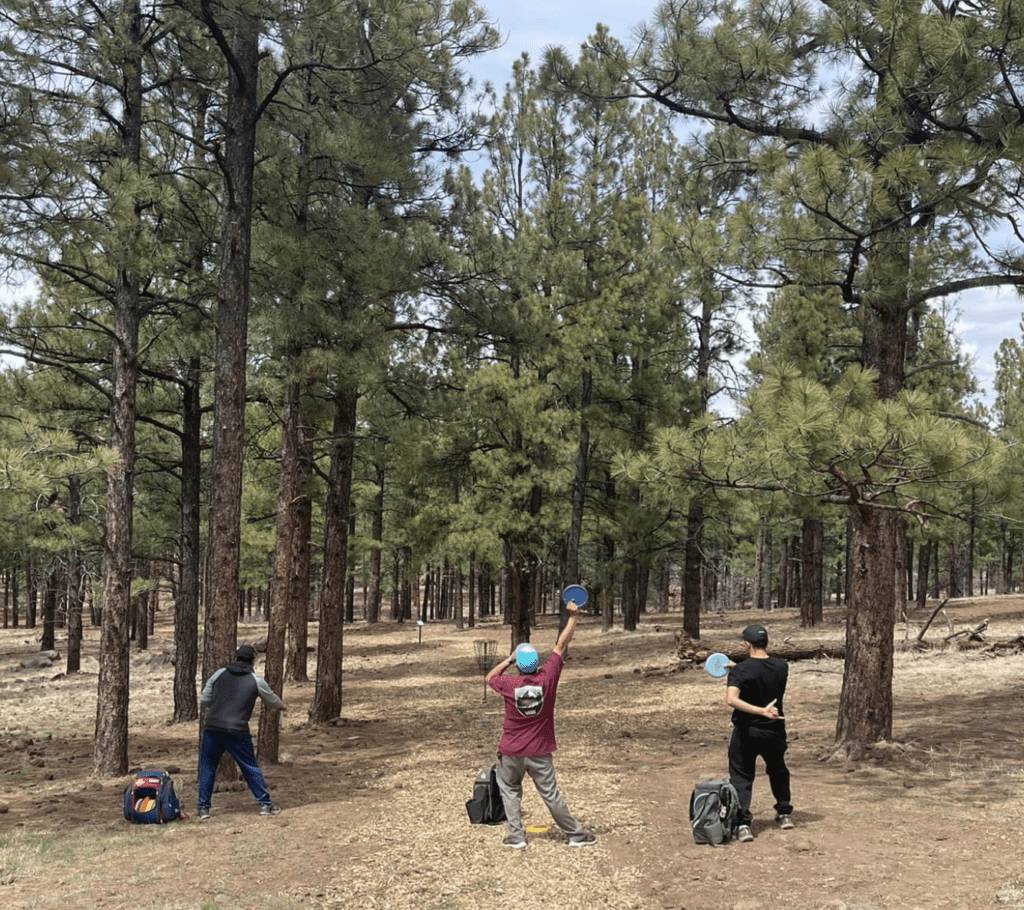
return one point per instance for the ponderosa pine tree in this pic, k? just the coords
(908, 159)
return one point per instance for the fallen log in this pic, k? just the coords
(692, 653)
(811, 651)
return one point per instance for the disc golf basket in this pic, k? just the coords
(485, 650)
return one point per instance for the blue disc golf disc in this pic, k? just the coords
(575, 593)
(717, 665)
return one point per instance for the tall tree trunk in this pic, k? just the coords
(326, 704)
(74, 656)
(396, 588)
(110, 751)
(629, 586)
(643, 583)
(241, 30)
(350, 579)
(759, 567)
(692, 558)
(374, 593)
(812, 559)
(900, 581)
(142, 620)
(15, 618)
(524, 564)
(785, 575)
(847, 581)
(288, 495)
(936, 582)
(407, 583)
(909, 566)
(32, 594)
(865, 703)
(457, 582)
(472, 590)
(579, 489)
(186, 603)
(971, 542)
(607, 593)
(664, 580)
(924, 552)
(49, 611)
(301, 562)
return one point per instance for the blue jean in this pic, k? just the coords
(239, 746)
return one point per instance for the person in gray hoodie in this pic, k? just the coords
(229, 697)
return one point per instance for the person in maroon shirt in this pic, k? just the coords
(528, 737)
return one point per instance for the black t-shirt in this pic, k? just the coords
(760, 680)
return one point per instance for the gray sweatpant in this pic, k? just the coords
(511, 771)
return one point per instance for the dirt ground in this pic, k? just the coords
(373, 808)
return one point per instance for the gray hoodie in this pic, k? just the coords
(230, 695)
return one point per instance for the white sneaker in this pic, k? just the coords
(744, 835)
(785, 822)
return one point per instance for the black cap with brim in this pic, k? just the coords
(246, 654)
(756, 635)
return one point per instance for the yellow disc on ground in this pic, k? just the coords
(538, 829)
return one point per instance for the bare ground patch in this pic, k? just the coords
(374, 812)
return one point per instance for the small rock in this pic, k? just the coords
(37, 763)
(6, 879)
(637, 671)
(56, 677)
(609, 676)
(49, 776)
(4, 808)
(626, 734)
(682, 731)
(51, 655)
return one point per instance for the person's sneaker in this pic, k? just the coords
(513, 842)
(268, 809)
(204, 813)
(744, 835)
(584, 839)
(785, 822)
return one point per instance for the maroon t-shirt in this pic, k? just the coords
(530, 710)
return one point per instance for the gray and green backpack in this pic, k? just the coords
(714, 805)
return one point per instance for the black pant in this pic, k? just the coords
(744, 748)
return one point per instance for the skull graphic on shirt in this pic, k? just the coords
(529, 700)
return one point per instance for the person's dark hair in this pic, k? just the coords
(246, 654)
(756, 635)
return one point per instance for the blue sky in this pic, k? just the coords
(532, 25)
(987, 316)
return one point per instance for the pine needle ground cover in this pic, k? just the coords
(374, 812)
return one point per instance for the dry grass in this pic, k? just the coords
(374, 812)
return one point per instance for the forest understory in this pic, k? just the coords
(373, 807)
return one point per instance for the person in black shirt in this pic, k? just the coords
(755, 689)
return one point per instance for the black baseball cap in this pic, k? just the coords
(246, 654)
(756, 635)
